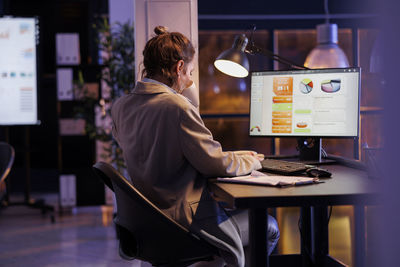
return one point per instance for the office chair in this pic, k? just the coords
(7, 156)
(145, 232)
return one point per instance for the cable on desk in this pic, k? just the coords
(323, 152)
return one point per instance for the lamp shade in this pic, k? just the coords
(234, 61)
(327, 54)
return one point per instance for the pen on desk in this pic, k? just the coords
(316, 180)
(303, 182)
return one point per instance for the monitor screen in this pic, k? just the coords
(320, 103)
(18, 71)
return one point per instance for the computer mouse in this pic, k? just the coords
(318, 172)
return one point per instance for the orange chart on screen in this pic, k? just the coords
(284, 121)
(283, 85)
(282, 105)
(282, 99)
(301, 125)
(281, 129)
(281, 114)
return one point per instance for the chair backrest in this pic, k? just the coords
(7, 155)
(155, 237)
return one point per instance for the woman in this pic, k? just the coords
(170, 153)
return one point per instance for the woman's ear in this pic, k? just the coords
(179, 66)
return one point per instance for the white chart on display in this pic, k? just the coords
(18, 71)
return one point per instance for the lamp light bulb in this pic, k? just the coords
(231, 68)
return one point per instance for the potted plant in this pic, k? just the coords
(116, 46)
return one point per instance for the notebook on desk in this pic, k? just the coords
(259, 178)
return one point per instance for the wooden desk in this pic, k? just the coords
(348, 186)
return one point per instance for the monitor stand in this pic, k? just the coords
(310, 151)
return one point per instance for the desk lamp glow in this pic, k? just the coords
(234, 61)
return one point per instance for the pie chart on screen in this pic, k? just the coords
(306, 86)
(330, 86)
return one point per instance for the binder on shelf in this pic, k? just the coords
(65, 84)
(67, 49)
(67, 190)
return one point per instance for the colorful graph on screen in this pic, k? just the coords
(330, 86)
(282, 105)
(306, 86)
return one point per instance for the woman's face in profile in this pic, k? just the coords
(185, 76)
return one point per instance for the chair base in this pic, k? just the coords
(34, 204)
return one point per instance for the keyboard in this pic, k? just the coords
(284, 167)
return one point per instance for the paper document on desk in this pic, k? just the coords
(260, 178)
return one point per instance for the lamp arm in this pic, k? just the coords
(253, 50)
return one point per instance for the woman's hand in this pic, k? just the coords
(259, 156)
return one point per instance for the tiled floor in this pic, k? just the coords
(85, 237)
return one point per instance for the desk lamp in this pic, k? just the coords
(234, 61)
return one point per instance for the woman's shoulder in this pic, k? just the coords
(177, 100)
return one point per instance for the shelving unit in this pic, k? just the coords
(77, 151)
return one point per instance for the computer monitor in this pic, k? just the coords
(308, 103)
(19, 40)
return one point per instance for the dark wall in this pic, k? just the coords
(357, 13)
(284, 6)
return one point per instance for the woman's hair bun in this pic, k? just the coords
(160, 30)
